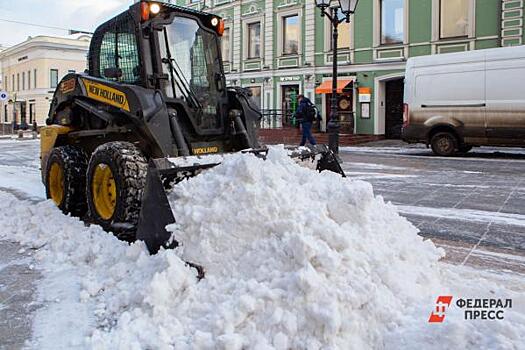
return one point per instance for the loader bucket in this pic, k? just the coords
(163, 173)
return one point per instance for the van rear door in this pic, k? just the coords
(505, 87)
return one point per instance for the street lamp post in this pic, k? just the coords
(347, 8)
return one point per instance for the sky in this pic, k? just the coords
(75, 14)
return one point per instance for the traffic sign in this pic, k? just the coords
(3, 96)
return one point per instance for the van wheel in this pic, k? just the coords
(444, 144)
(116, 177)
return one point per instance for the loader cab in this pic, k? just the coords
(173, 50)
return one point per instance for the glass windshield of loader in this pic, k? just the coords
(190, 57)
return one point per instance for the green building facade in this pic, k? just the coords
(280, 48)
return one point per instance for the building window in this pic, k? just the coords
(53, 77)
(291, 35)
(392, 21)
(13, 82)
(225, 45)
(289, 101)
(29, 80)
(453, 18)
(17, 81)
(5, 82)
(5, 114)
(23, 80)
(254, 40)
(34, 78)
(256, 95)
(343, 39)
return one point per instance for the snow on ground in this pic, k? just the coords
(294, 260)
(419, 149)
(22, 181)
(465, 215)
(478, 154)
(20, 171)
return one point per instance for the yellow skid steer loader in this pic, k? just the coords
(154, 92)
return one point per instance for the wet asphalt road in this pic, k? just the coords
(472, 205)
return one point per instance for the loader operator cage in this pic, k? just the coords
(114, 46)
(177, 51)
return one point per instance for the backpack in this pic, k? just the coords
(310, 113)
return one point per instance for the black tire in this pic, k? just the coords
(128, 167)
(465, 149)
(72, 162)
(444, 144)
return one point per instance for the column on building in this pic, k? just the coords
(309, 49)
(237, 26)
(268, 102)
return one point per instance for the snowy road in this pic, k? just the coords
(473, 206)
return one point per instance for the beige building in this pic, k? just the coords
(30, 72)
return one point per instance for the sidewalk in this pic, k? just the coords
(27, 135)
(292, 136)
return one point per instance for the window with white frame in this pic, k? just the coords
(343, 30)
(453, 18)
(291, 32)
(53, 78)
(254, 40)
(225, 45)
(392, 21)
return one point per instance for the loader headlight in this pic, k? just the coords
(218, 24)
(147, 10)
(154, 8)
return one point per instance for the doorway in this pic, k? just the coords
(289, 103)
(394, 108)
(344, 110)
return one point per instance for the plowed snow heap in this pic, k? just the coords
(294, 259)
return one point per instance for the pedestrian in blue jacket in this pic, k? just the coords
(306, 114)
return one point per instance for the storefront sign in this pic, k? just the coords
(365, 95)
(365, 110)
(283, 79)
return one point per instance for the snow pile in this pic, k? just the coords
(294, 260)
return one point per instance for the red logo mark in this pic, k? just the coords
(438, 315)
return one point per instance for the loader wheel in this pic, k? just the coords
(65, 179)
(116, 178)
(444, 144)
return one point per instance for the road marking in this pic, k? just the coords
(465, 215)
(398, 153)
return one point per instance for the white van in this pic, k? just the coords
(456, 101)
